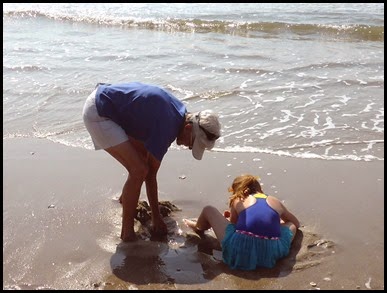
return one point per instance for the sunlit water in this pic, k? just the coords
(299, 80)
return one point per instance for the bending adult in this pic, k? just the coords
(136, 123)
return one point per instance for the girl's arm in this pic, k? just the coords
(285, 215)
(234, 214)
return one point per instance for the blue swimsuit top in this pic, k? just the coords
(260, 219)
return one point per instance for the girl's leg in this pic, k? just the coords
(210, 217)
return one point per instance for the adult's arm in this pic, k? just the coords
(151, 184)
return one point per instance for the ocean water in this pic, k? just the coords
(301, 80)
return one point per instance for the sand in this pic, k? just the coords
(61, 221)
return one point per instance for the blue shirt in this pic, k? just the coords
(146, 112)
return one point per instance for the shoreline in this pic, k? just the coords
(341, 201)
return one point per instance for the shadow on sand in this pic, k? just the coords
(187, 258)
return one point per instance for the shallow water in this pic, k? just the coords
(299, 80)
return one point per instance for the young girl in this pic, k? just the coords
(258, 229)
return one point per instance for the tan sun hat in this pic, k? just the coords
(206, 130)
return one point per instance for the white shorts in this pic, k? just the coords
(104, 132)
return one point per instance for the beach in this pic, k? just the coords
(61, 221)
(299, 90)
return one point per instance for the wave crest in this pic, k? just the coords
(354, 32)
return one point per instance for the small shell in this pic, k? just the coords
(368, 284)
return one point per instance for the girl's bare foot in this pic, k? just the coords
(192, 224)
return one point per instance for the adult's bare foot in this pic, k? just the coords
(128, 237)
(159, 228)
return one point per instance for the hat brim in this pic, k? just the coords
(198, 149)
(201, 143)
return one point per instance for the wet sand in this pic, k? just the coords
(61, 221)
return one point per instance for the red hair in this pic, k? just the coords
(243, 186)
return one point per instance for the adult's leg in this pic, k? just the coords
(141, 151)
(132, 158)
(210, 217)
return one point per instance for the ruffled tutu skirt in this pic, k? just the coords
(246, 252)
